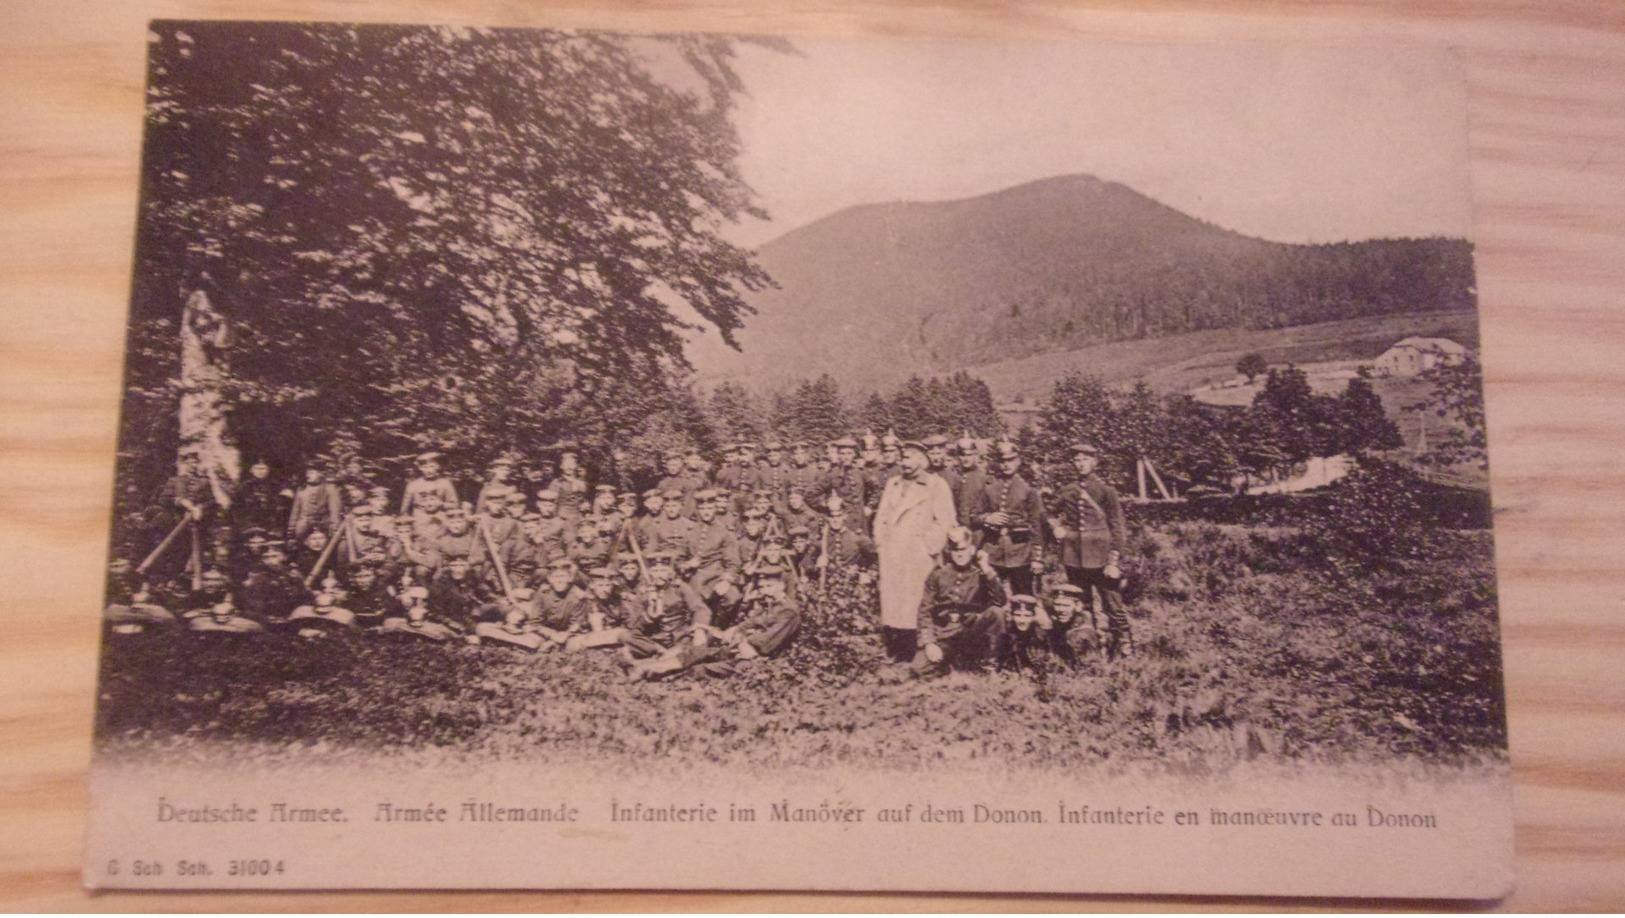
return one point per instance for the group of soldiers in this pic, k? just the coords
(702, 570)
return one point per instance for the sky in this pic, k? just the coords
(1300, 145)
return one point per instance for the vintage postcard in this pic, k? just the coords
(600, 460)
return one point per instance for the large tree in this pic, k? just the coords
(471, 238)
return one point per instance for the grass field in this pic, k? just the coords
(1179, 363)
(1261, 643)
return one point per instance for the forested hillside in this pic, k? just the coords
(875, 293)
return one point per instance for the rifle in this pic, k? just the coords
(496, 559)
(162, 546)
(823, 552)
(327, 552)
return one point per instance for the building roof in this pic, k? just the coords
(1442, 345)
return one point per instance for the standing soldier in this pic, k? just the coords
(260, 502)
(1087, 532)
(671, 530)
(496, 482)
(317, 505)
(678, 480)
(936, 451)
(570, 486)
(710, 545)
(1007, 515)
(732, 474)
(971, 475)
(553, 533)
(772, 476)
(846, 476)
(802, 476)
(429, 480)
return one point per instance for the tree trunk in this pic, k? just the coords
(202, 411)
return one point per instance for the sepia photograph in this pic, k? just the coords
(765, 462)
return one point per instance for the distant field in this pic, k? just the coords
(1182, 362)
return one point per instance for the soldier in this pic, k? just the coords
(603, 506)
(316, 505)
(517, 627)
(772, 476)
(364, 540)
(802, 475)
(695, 467)
(1026, 642)
(457, 597)
(461, 539)
(802, 553)
(429, 480)
(797, 512)
(846, 477)
(553, 534)
(959, 611)
(1066, 601)
(308, 553)
(712, 547)
(732, 474)
(678, 480)
(369, 597)
(260, 502)
(669, 616)
(936, 452)
(273, 589)
(590, 549)
(1087, 535)
(770, 620)
(1007, 514)
(840, 545)
(645, 528)
(607, 611)
(378, 500)
(213, 587)
(405, 555)
(752, 530)
(672, 530)
(496, 482)
(972, 477)
(428, 520)
(570, 486)
(873, 464)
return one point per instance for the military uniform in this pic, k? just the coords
(1013, 546)
(959, 613)
(1091, 538)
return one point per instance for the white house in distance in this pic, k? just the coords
(1413, 355)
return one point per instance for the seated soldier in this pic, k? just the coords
(605, 613)
(960, 611)
(459, 598)
(1025, 642)
(369, 597)
(550, 615)
(668, 615)
(797, 512)
(802, 553)
(309, 551)
(1066, 605)
(750, 536)
(769, 622)
(416, 620)
(775, 555)
(273, 589)
(223, 618)
(322, 616)
(130, 606)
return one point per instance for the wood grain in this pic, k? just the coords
(1548, 168)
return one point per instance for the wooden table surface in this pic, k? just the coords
(1547, 84)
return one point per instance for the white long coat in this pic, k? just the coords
(911, 526)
